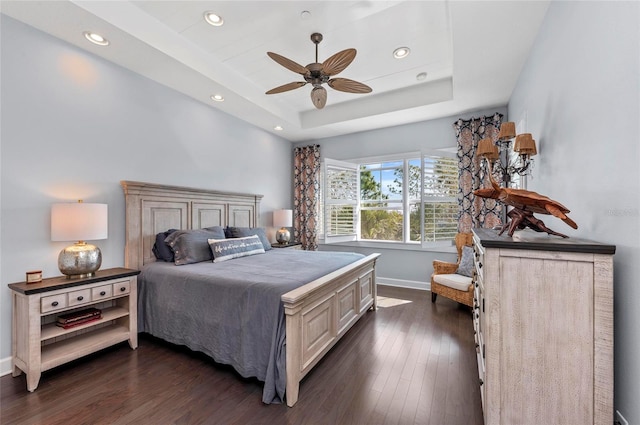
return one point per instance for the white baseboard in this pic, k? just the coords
(5, 366)
(401, 283)
(620, 418)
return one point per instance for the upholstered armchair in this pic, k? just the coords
(454, 280)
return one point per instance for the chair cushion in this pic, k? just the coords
(455, 281)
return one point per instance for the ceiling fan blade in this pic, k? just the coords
(286, 87)
(349, 86)
(338, 62)
(288, 63)
(319, 97)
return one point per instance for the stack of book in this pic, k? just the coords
(78, 318)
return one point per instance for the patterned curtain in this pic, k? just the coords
(306, 195)
(474, 211)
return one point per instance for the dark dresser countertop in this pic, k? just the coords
(528, 239)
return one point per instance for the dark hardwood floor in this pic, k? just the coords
(410, 362)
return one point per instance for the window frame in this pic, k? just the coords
(406, 201)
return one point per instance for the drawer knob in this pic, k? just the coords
(55, 303)
(122, 289)
(80, 298)
(103, 293)
(481, 382)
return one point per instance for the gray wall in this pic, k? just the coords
(579, 91)
(397, 266)
(74, 125)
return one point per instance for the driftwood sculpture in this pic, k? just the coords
(525, 203)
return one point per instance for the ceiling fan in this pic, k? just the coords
(317, 74)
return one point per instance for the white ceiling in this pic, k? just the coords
(472, 52)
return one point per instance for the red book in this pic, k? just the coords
(78, 315)
(78, 322)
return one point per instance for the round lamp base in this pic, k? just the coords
(79, 260)
(283, 236)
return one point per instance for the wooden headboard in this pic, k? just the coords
(154, 208)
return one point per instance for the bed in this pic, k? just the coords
(309, 317)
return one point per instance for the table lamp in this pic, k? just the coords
(79, 222)
(283, 219)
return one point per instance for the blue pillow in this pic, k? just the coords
(228, 249)
(465, 267)
(192, 246)
(160, 249)
(241, 232)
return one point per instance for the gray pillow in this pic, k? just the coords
(241, 232)
(227, 249)
(465, 268)
(192, 246)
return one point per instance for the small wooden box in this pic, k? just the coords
(34, 276)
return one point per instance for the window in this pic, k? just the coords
(408, 199)
(439, 198)
(340, 200)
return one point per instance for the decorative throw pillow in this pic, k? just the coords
(241, 232)
(227, 249)
(218, 230)
(160, 249)
(465, 267)
(192, 246)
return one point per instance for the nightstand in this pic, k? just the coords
(290, 245)
(38, 344)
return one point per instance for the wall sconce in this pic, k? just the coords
(283, 219)
(79, 222)
(524, 146)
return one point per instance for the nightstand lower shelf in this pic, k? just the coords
(73, 348)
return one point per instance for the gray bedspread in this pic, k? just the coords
(232, 310)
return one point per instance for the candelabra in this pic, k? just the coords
(499, 153)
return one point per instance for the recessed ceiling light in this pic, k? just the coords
(421, 76)
(305, 14)
(213, 19)
(401, 52)
(217, 97)
(96, 38)
(278, 128)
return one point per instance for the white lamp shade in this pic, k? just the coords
(79, 222)
(282, 218)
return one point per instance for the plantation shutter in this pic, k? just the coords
(341, 190)
(439, 198)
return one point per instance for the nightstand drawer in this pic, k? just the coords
(101, 292)
(53, 303)
(121, 288)
(79, 297)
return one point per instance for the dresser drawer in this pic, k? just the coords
(53, 303)
(101, 292)
(121, 288)
(81, 296)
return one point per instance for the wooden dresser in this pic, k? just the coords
(39, 345)
(543, 320)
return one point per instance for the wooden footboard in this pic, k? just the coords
(319, 313)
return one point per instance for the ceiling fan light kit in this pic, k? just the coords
(317, 74)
